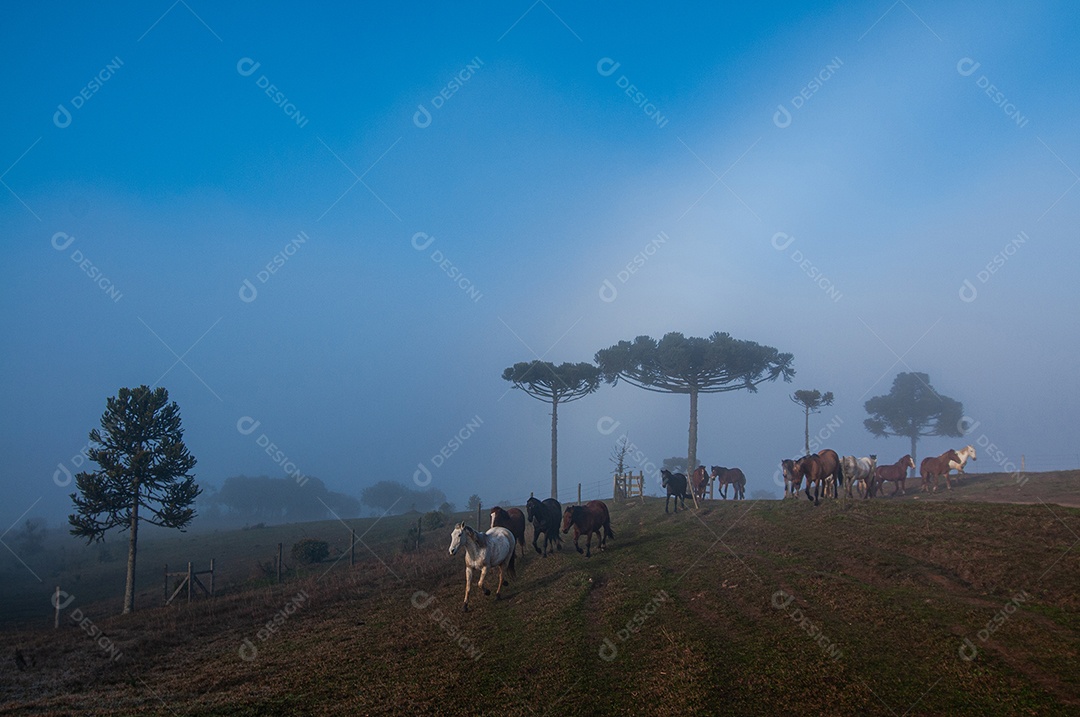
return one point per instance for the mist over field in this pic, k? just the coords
(328, 231)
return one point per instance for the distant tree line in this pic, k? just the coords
(276, 500)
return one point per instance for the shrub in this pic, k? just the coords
(310, 550)
(433, 520)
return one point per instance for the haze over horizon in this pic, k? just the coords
(333, 228)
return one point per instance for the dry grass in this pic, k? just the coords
(894, 585)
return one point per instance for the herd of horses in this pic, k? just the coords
(676, 484)
(497, 547)
(826, 471)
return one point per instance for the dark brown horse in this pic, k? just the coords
(513, 520)
(896, 473)
(699, 481)
(832, 474)
(545, 516)
(675, 485)
(937, 466)
(593, 517)
(729, 476)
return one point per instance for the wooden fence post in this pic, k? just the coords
(352, 548)
(418, 529)
(479, 505)
(579, 493)
(189, 581)
(56, 604)
(166, 583)
(211, 577)
(279, 562)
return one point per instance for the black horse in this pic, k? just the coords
(675, 483)
(545, 517)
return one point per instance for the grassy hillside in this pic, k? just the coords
(747, 608)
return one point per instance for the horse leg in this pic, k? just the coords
(588, 543)
(468, 584)
(666, 499)
(498, 590)
(536, 535)
(577, 534)
(483, 576)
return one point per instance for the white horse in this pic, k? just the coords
(492, 549)
(860, 471)
(958, 466)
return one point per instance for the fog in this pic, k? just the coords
(327, 233)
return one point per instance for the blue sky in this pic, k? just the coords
(178, 179)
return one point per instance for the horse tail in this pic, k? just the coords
(607, 531)
(840, 475)
(510, 568)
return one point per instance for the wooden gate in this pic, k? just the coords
(189, 579)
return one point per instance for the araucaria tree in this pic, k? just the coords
(677, 364)
(913, 409)
(553, 384)
(143, 473)
(811, 401)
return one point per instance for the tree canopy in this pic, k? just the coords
(913, 409)
(553, 384)
(811, 401)
(677, 364)
(143, 465)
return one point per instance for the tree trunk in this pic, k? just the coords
(807, 432)
(691, 454)
(555, 449)
(129, 589)
(914, 458)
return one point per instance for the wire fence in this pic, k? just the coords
(998, 462)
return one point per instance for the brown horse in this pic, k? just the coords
(593, 517)
(792, 482)
(832, 474)
(699, 481)
(729, 476)
(513, 520)
(896, 473)
(937, 466)
(810, 467)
